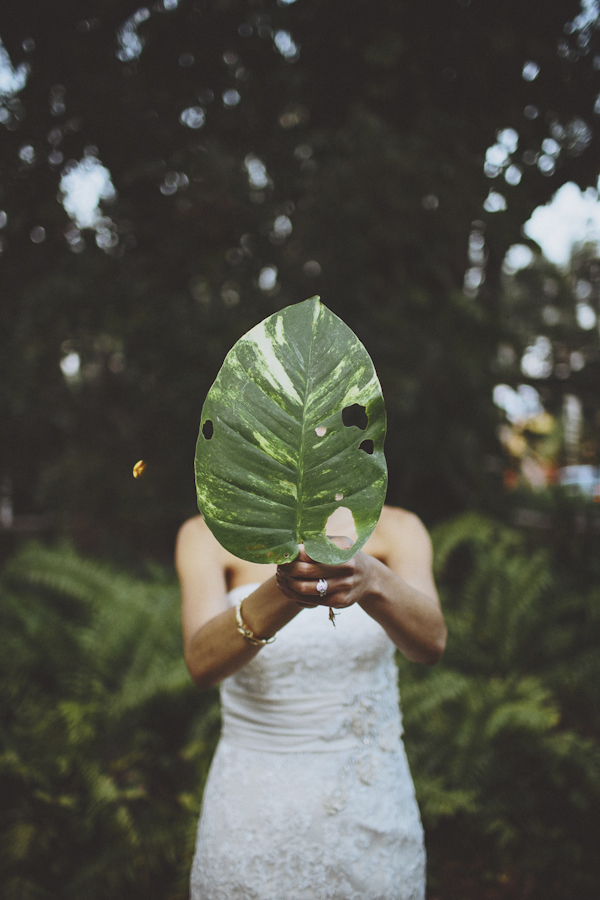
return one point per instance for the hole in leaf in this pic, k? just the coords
(368, 446)
(321, 431)
(355, 415)
(339, 497)
(341, 524)
(208, 429)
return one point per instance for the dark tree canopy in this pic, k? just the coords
(260, 153)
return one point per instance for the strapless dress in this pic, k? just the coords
(309, 795)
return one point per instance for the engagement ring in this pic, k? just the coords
(322, 587)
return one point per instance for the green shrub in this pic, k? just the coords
(105, 742)
(503, 735)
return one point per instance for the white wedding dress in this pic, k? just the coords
(309, 795)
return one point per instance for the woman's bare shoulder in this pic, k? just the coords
(195, 527)
(396, 517)
(399, 525)
(195, 535)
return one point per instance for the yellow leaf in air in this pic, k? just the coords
(138, 469)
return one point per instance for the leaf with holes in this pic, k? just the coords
(292, 429)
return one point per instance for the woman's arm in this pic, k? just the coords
(403, 597)
(213, 648)
(399, 593)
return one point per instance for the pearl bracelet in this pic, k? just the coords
(245, 631)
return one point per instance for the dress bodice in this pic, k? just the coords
(316, 687)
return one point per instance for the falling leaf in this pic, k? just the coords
(139, 468)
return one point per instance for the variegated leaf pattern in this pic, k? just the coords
(274, 458)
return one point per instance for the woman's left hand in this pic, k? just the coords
(346, 583)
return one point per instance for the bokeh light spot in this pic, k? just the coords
(131, 44)
(231, 98)
(286, 45)
(430, 202)
(586, 316)
(513, 175)
(546, 164)
(11, 80)
(257, 172)
(267, 278)
(531, 70)
(83, 185)
(27, 154)
(193, 117)
(524, 403)
(70, 365)
(537, 361)
(303, 151)
(519, 256)
(282, 227)
(494, 202)
(311, 268)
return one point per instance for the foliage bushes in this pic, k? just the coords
(105, 743)
(104, 739)
(504, 734)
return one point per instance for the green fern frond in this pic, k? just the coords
(98, 714)
(507, 725)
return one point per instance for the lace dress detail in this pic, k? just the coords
(309, 795)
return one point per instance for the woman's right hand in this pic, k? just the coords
(346, 582)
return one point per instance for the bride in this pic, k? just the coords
(309, 795)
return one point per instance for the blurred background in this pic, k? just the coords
(171, 175)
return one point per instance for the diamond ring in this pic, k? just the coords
(322, 587)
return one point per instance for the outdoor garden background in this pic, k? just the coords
(172, 174)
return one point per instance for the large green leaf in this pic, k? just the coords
(274, 458)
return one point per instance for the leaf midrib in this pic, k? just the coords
(300, 495)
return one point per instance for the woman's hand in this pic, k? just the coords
(347, 583)
(396, 590)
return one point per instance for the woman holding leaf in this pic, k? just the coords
(309, 795)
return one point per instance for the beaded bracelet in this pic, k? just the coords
(245, 631)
